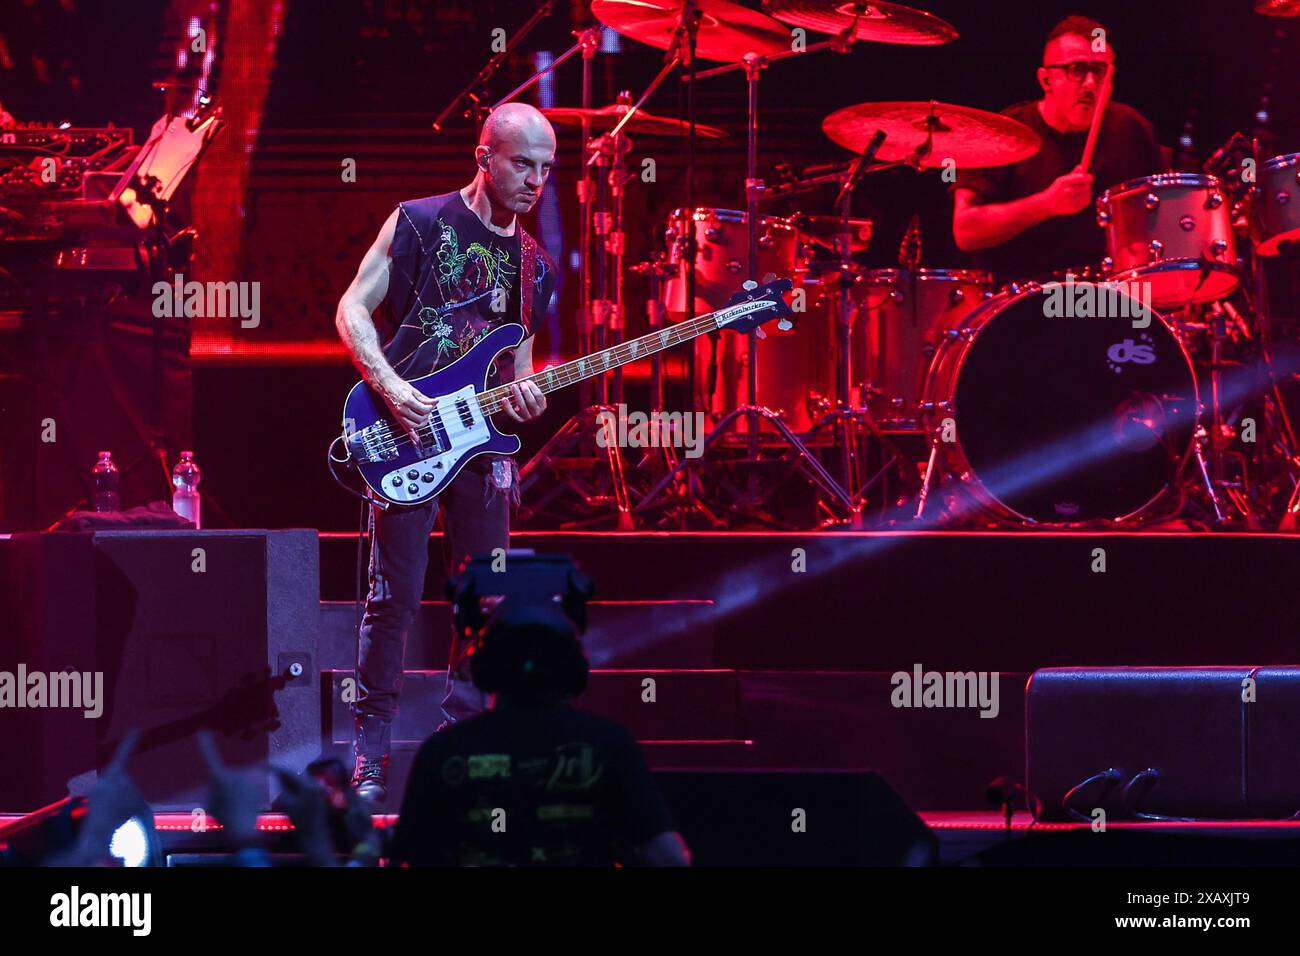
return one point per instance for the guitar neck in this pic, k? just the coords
(589, 366)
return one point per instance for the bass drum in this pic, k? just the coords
(1048, 419)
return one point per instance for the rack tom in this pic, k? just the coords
(1173, 233)
(722, 255)
(1275, 215)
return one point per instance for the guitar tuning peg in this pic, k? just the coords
(785, 325)
(749, 285)
(760, 333)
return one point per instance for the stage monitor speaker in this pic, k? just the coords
(1187, 742)
(189, 630)
(795, 818)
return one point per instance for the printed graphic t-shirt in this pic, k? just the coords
(1126, 149)
(449, 271)
(573, 788)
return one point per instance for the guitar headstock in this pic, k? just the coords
(755, 305)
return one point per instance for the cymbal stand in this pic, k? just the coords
(476, 87)
(848, 419)
(751, 411)
(579, 433)
(1281, 431)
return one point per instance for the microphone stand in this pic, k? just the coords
(477, 109)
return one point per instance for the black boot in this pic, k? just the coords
(370, 776)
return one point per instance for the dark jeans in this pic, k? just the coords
(475, 520)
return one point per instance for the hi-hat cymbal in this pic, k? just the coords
(727, 30)
(644, 123)
(881, 22)
(969, 137)
(1278, 8)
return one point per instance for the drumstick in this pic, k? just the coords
(1103, 97)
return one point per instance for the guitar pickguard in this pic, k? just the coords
(460, 427)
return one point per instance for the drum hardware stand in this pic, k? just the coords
(1281, 427)
(604, 270)
(608, 154)
(1212, 468)
(1198, 446)
(928, 477)
(478, 84)
(662, 455)
(1217, 465)
(848, 420)
(593, 313)
(753, 413)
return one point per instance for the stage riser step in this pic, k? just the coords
(677, 634)
(938, 758)
(690, 706)
(935, 757)
(659, 755)
(949, 600)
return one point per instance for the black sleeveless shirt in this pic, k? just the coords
(453, 281)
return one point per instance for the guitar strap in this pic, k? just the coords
(527, 276)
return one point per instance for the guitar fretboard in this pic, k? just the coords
(570, 373)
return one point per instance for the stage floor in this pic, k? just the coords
(966, 838)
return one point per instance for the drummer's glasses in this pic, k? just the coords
(1077, 70)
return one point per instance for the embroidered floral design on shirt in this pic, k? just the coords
(470, 274)
(434, 325)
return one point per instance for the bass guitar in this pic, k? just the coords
(409, 471)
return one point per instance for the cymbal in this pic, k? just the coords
(881, 22)
(727, 30)
(649, 124)
(1278, 8)
(969, 137)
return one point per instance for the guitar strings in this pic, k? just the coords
(490, 401)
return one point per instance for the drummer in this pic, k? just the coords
(1036, 217)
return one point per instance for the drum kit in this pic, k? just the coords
(949, 387)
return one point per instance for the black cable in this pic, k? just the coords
(331, 461)
(1111, 776)
(361, 533)
(1131, 794)
(1149, 778)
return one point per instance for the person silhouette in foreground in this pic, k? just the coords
(533, 780)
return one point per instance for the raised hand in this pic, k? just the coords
(112, 801)
(235, 797)
(1069, 193)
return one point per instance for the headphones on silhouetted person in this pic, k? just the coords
(529, 652)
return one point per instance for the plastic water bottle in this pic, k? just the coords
(185, 488)
(105, 478)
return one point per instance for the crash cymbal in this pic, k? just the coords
(727, 30)
(880, 22)
(1278, 8)
(971, 138)
(644, 123)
